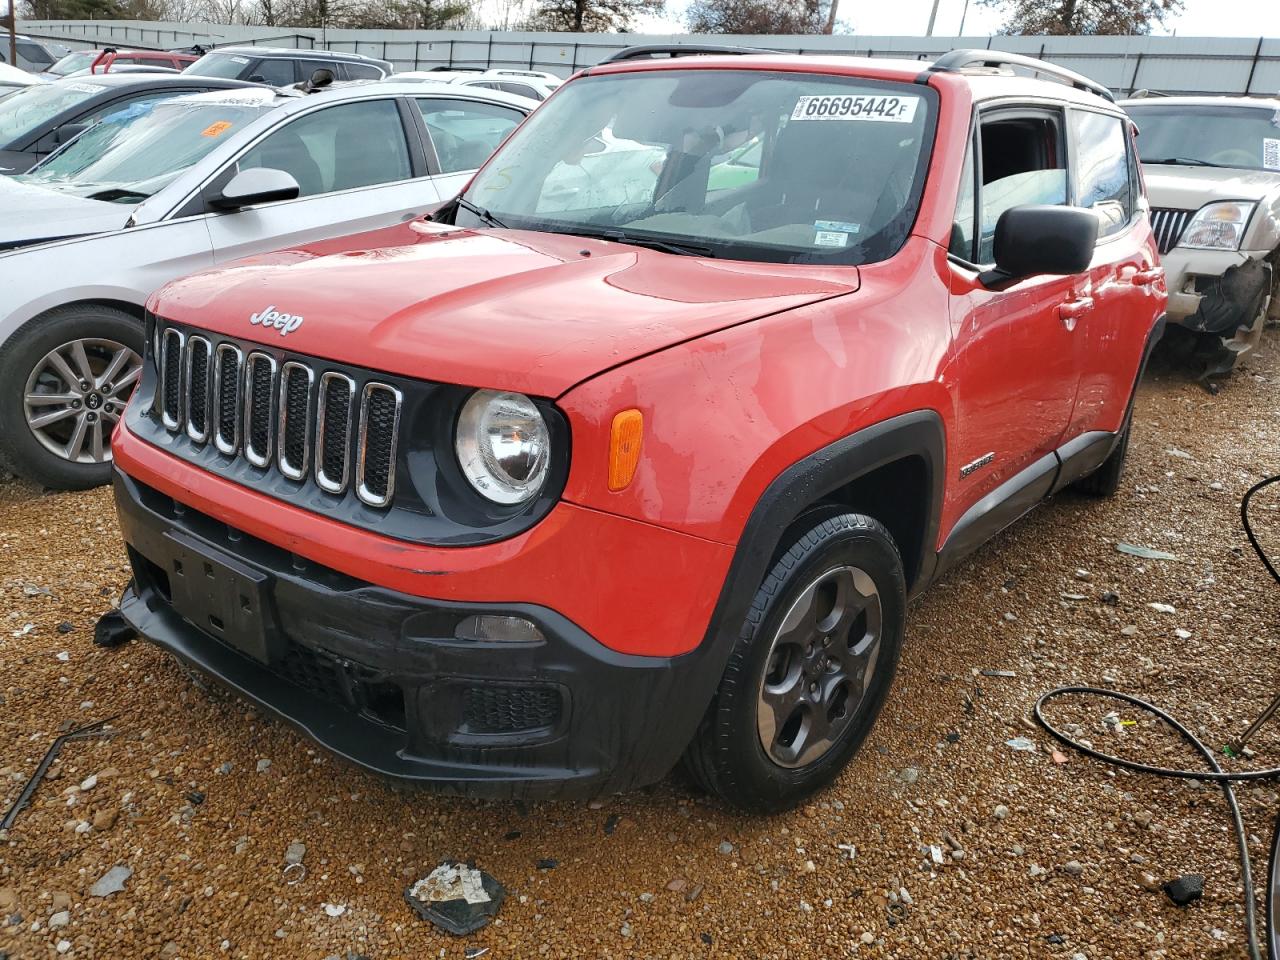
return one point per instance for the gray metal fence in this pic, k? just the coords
(1219, 65)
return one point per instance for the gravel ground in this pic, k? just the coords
(938, 841)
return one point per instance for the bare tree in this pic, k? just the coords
(758, 16)
(590, 16)
(1083, 17)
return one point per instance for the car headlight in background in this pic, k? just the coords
(1218, 226)
(503, 446)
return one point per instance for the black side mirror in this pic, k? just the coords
(68, 132)
(256, 185)
(1035, 240)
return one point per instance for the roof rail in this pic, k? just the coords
(957, 60)
(659, 51)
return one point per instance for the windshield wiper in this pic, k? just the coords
(1185, 162)
(651, 243)
(480, 212)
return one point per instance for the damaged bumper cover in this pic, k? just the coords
(383, 679)
(1220, 292)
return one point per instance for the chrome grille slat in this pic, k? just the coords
(195, 393)
(293, 452)
(259, 396)
(171, 379)
(1168, 225)
(376, 444)
(227, 381)
(333, 432)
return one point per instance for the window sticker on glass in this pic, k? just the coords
(837, 107)
(839, 226)
(1271, 153)
(830, 238)
(239, 59)
(84, 87)
(216, 129)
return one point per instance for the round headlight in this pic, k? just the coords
(503, 446)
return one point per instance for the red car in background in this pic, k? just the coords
(105, 60)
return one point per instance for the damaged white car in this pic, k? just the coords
(1212, 167)
(164, 189)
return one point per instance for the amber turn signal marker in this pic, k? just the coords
(624, 448)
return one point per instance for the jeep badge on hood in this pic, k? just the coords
(271, 317)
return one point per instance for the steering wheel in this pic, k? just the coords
(1235, 158)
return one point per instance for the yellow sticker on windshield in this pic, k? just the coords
(216, 129)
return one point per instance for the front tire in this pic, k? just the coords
(64, 380)
(810, 670)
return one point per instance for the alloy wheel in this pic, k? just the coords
(822, 659)
(76, 394)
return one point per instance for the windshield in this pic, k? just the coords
(1245, 137)
(742, 164)
(131, 154)
(80, 60)
(35, 106)
(226, 65)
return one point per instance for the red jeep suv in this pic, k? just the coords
(637, 449)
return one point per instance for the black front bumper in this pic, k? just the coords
(379, 678)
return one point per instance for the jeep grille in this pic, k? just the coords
(285, 416)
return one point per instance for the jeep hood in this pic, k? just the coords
(1190, 188)
(505, 309)
(34, 214)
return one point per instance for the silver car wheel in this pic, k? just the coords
(822, 659)
(76, 394)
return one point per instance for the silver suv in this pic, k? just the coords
(1212, 167)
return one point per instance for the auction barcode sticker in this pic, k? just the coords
(1271, 153)
(840, 107)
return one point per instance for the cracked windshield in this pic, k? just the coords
(741, 164)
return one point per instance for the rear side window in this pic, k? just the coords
(307, 67)
(520, 90)
(363, 71)
(35, 54)
(1023, 162)
(339, 148)
(464, 134)
(1102, 173)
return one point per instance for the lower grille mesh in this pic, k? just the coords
(510, 709)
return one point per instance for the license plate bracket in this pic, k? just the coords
(223, 596)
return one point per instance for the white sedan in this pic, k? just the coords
(163, 189)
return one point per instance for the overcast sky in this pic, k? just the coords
(1201, 18)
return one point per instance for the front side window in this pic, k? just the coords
(135, 151)
(1208, 135)
(465, 134)
(229, 66)
(1023, 162)
(273, 71)
(25, 112)
(1102, 169)
(338, 148)
(650, 158)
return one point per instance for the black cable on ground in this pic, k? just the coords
(1215, 773)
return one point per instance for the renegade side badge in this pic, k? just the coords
(978, 464)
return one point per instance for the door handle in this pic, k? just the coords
(1070, 312)
(1147, 278)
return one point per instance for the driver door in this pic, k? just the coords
(1015, 360)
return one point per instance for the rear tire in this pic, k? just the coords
(64, 380)
(811, 668)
